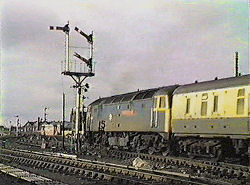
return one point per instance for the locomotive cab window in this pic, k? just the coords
(162, 103)
(240, 101)
(128, 107)
(155, 102)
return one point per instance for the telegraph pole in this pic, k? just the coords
(17, 124)
(63, 117)
(78, 77)
(236, 64)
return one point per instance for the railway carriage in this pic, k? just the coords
(213, 117)
(207, 118)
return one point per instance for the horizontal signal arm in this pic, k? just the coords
(64, 29)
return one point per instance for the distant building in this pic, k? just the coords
(13, 129)
(51, 128)
(3, 131)
(32, 126)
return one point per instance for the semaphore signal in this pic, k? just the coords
(88, 37)
(87, 61)
(78, 77)
(66, 30)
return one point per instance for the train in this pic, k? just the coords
(206, 119)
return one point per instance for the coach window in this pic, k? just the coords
(204, 104)
(215, 109)
(240, 101)
(188, 106)
(162, 102)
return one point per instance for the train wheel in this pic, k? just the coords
(151, 150)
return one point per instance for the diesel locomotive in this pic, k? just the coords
(209, 119)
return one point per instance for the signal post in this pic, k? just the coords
(78, 77)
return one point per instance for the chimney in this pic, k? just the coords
(38, 123)
(236, 64)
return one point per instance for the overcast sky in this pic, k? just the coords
(138, 45)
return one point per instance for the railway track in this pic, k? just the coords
(235, 174)
(27, 176)
(210, 172)
(102, 171)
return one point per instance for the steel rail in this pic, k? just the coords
(107, 171)
(27, 176)
(225, 169)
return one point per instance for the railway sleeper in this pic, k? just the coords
(76, 171)
(56, 167)
(47, 165)
(108, 177)
(23, 160)
(43, 164)
(207, 166)
(70, 170)
(101, 176)
(230, 173)
(140, 176)
(97, 175)
(125, 172)
(32, 162)
(88, 173)
(38, 164)
(29, 161)
(60, 168)
(65, 169)
(94, 175)
(157, 178)
(51, 166)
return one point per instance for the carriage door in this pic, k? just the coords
(154, 113)
(158, 112)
